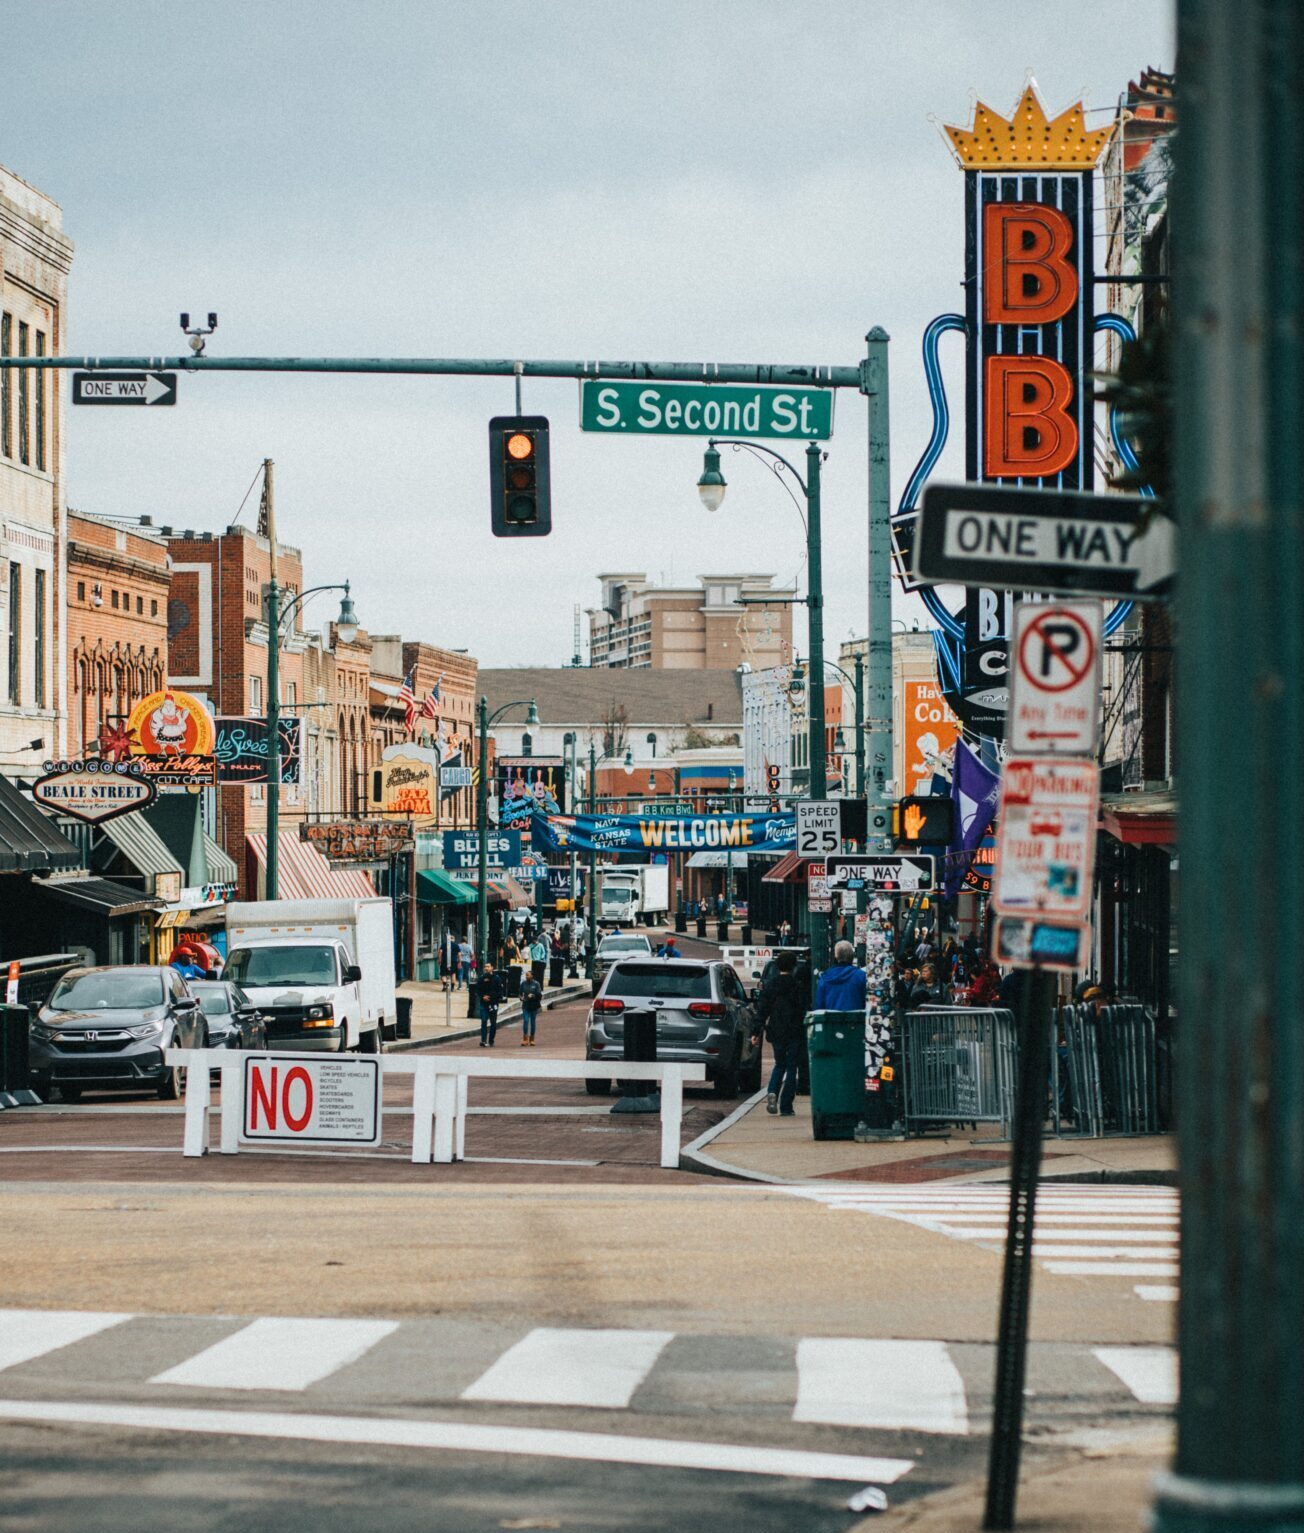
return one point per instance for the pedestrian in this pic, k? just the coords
(780, 1016)
(464, 956)
(843, 986)
(531, 1001)
(539, 958)
(491, 998)
(671, 951)
(183, 961)
(785, 932)
(927, 991)
(924, 948)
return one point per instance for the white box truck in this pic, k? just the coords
(632, 895)
(320, 971)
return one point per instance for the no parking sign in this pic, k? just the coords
(1055, 678)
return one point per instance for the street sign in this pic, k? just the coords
(310, 1099)
(906, 874)
(705, 409)
(819, 827)
(1055, 679)
(1026, 942)
(1046, 841)
(819, 898)
(1057, 541)
(124, 388)
(455, 777)
(93, 790)
(665, 808)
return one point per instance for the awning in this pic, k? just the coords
(29, 842)
(790, 869)
(304, 874)
(101, 895)
(506, 891)
(1141, 819)
(437, 888)
(221, 868)
(171, 919)
(716, 859)
(141, 845)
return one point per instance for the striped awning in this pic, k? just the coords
(141, 845)
(506, 891)
(221, 868)
(790, 869)
(304, 874)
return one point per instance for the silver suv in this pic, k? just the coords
(703, 1017)
(617, 945)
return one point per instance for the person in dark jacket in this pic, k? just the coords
(781, 1013)
(842, 986)
(531, 1001)
(927, 992)
(491, 998)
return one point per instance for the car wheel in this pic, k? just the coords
(344, 1038)
(726, 1082)
(172, 1084)
(67, 1094)
(371, 1043)
(597, 1088)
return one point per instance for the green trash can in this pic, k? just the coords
(835, 1042)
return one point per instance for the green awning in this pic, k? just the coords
(436, 888)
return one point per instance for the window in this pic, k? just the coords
(153, 608)
(126, 601)
(15, 629)
(38, 615)
(40, 403)
(291, 693)
(6, 403)
(24, 396)
(114, 597)
(140, 606)
(81, 590)
(255, 694)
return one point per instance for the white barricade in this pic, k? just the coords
(439, 1094)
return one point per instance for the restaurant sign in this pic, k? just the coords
(358, 840)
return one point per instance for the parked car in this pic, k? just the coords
(234, 1022)
(617, 945)
(106, 1029)
(703, 1016)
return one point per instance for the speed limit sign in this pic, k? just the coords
(819, 827)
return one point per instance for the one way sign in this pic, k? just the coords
(124, 388)
(907, 874)
(1056, 541)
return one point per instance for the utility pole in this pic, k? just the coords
(1238, 397)
(591, 899)
(482, 841)
(273, 692)
(879, 690)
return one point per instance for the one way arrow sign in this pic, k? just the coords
(124, 388)
(1056, 541)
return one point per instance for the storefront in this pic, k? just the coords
(445, 905)
(102, 921)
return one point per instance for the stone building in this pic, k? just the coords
(35, 258)
(698, 628)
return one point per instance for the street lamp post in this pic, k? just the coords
(346, 626)
(482, 818)
(711, 487)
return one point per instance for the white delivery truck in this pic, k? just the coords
(631, 895)
(320, 971)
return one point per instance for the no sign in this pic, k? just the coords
(310, 1099)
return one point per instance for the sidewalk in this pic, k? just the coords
(757, 1147)
(439, 1015)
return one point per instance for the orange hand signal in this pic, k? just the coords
(914, 822)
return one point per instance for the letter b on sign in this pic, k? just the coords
(1030, 433)
(1031, 279)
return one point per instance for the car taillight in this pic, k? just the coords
(608, 1006)
(706, 1009)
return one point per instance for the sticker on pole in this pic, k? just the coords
(1055, 678)
(1026, 942)
(1046, 843)
(310, 1099)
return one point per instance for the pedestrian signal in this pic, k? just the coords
(520, 499)
(928, 821)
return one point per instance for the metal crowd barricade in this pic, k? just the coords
(958, 1065)
(1108, 1060)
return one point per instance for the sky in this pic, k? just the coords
(739, 181)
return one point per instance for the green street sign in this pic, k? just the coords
(705, 409)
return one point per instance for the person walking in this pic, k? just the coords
(490, 998)
(781, 1018)
(531, 1001)
(464, 956)
(539, 958)
(842, 986)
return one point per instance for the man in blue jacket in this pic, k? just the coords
(841, 987)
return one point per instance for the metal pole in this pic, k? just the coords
(591, 902)
(859, 690)
(879, 691)
(482, 840)
(1237, 376)
(818, 778)
(273, 695)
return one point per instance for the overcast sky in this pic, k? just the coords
(738, 180)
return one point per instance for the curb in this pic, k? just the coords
(509, 1012)
(693, 1157)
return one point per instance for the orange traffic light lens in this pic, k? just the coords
(519, 445)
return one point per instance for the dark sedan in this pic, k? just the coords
(106, 1029)
(234, 1022)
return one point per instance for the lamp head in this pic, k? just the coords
(532, 714)
(711, 485)
(797, 685)
(346, 625)
(839, 742)
(628, 763)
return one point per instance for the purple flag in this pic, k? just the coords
(974, 791)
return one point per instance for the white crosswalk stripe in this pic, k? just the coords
(1081, 1230)
(886, 1384)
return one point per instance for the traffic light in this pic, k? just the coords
(927, 821)
(520, 501)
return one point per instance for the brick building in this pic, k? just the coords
(117, 617)
(457, 675)
(694, 628)
(35, 258)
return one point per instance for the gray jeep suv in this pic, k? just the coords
(703, 1017)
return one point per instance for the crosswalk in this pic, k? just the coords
(930, 1387)
(1081, 1230)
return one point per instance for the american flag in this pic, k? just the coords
(408, 698)
(430, 706)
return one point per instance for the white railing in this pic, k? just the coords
(439, 1094)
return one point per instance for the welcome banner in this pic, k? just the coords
(642, 835)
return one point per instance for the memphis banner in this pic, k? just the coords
(632, 834)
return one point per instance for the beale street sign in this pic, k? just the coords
(124, 388)
(705, 409)
(93, 790)
(1045, 540)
